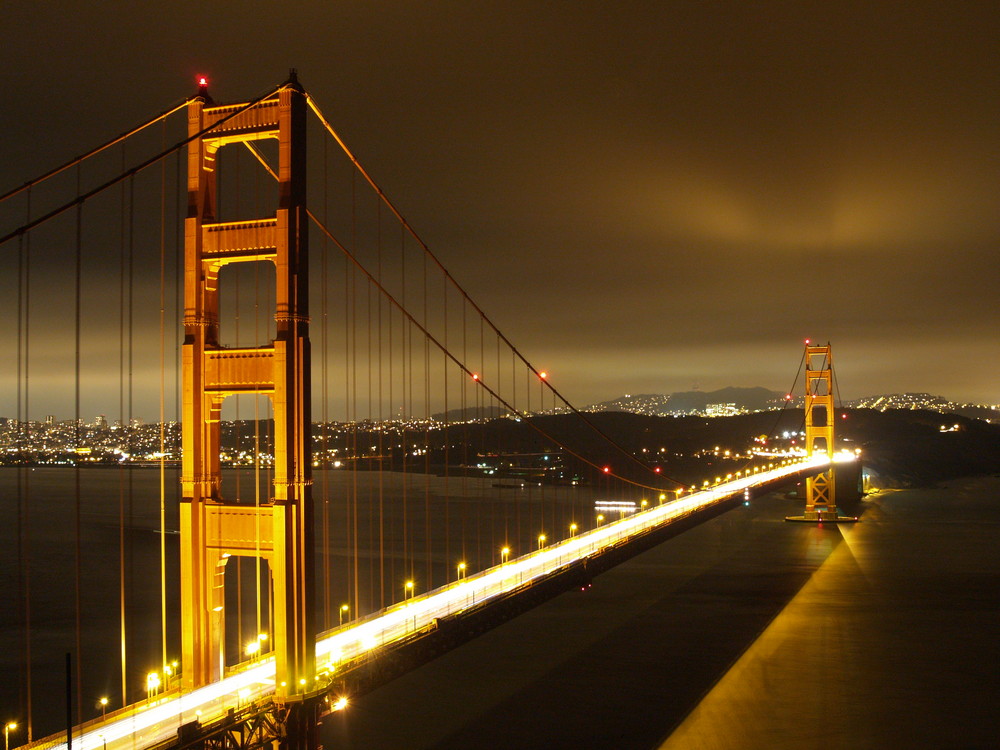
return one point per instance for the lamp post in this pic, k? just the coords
(504, 554)
(152, 683)
(104, 708)
(600, 518)
(6, 733)
(408, 590)
(572, 530)
(343, 609)
(541, 540)
(461, 571)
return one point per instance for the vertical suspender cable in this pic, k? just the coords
(325, 382)
(446, 429)
(381, 432)
(347, 415)
(427, 446)
(21, 458)
(163, 465)
(77, 435)
(354, 399)
(131, 340)
(27, 475)
(121, 422)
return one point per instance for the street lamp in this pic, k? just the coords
(408, 590)
(572, 530)
(504, 554)
(104, 708)
(541, 540)
(152, 683)
(643, 504)
(663, 496)
(343, 608)
(6, 733)
(253, 648)
(600, 518)
(461, 571)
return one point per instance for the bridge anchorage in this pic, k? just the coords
(821, 495)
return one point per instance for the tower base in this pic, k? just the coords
(823, 516)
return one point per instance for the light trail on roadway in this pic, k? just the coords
(158, 718)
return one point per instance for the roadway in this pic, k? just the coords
(158, 718)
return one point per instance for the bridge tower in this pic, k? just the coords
(279, 530)
(821, 495)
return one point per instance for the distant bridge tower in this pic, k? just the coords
(280, 529)
(821, 494)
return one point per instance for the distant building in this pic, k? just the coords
(722, 410)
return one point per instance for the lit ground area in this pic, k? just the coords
(744, 632)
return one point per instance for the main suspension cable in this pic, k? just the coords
(94, 152)
(414, 323)
(409, 229)
(132, 171)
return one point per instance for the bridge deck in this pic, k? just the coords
(156, 721)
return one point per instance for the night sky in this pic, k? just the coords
(644, 196)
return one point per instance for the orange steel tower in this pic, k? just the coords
(821, 496)
(279, 530)
(820, 489)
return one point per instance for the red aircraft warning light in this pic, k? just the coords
(543, 374)
(475, 376)
(607, 469)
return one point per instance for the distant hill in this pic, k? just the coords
(901, 448)
(469, 413)
(924, 402)
(749, 399)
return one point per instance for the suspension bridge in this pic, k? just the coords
(203, 267)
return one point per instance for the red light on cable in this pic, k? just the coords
(657, 469)
(475, 376)
(788, 397)
(607, 469)
(543, 374)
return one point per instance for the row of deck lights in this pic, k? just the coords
(462, 567)
(254, 647)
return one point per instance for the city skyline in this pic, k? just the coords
(643, 201)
